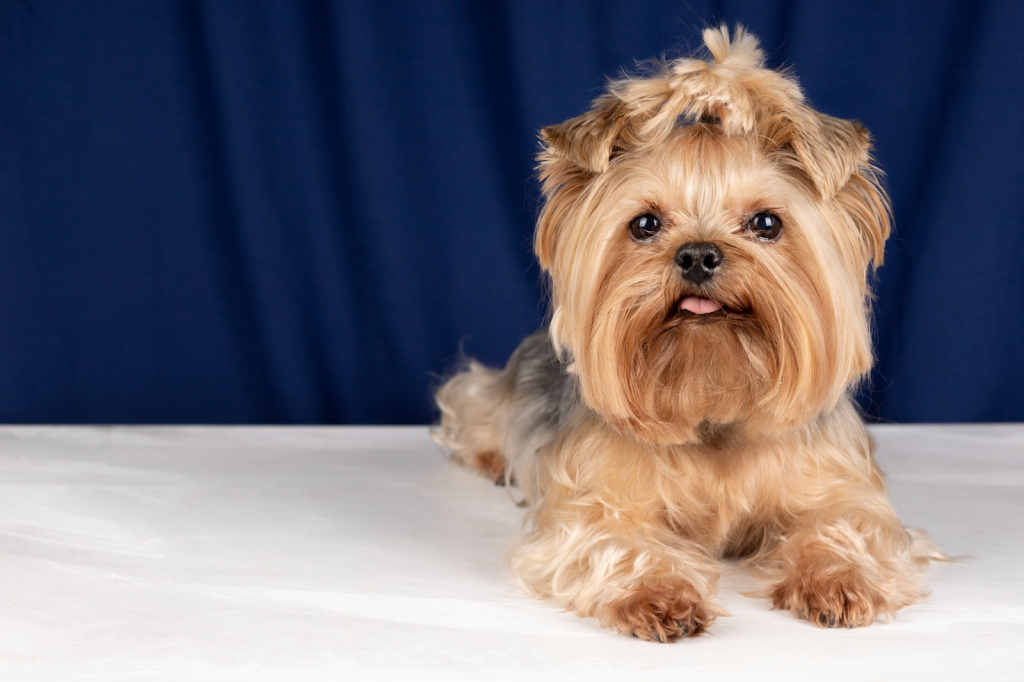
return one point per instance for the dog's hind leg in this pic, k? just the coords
(474, 418)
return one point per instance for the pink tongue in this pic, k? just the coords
(699, 306)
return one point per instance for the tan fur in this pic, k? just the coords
(691, 441)
(472, 406)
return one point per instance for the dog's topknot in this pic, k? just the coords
(729, 86)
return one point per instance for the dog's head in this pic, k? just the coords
(708, 238)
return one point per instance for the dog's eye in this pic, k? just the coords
(767, 226)
(644, 227)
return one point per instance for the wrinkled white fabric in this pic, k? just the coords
(360, 553)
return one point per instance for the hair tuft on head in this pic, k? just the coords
(743, 51)
(730, 87)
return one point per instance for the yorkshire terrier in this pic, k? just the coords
(708, 238)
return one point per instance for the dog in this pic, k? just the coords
(708, 238)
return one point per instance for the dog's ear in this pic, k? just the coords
(834, 155)
(576, 151)
(589, 141)
(827, 150)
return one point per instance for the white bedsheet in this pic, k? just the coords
(178, 553)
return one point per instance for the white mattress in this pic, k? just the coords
(360, 553)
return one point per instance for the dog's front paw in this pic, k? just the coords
(832, 598)
(659, 613)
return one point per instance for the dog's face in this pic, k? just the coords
(708, 238)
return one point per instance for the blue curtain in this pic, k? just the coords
(298, 211)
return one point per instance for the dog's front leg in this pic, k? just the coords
(633, 576)
(600, 544)
(848, 560)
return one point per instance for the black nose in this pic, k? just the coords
(699, 260)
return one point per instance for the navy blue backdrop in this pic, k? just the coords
(259, 211)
